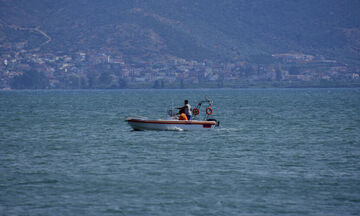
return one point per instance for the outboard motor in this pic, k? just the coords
(217, 122)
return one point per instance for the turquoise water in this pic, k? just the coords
(277, 152)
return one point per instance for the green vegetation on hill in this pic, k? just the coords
(172, 43)
(193, 29)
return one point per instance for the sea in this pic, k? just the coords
(276, 152)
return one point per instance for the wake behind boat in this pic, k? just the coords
(174, 123)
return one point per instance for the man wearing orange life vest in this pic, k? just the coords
(186, 110)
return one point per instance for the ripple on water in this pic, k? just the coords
(279, 151)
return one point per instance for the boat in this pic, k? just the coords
(172, 123)
(180, 125)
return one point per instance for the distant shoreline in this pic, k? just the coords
(225, 85)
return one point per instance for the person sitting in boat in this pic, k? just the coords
(186, 109)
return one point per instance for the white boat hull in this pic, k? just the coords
(141, 124)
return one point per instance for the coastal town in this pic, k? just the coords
(137, 47)
(102, 69)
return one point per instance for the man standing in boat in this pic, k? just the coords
(186, 109)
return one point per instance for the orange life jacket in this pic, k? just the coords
(183, 117)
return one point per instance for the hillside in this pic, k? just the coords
(198, 30)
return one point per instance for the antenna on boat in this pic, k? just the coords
(170, 112)
(208, 100)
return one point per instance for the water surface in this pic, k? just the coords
(277, 152)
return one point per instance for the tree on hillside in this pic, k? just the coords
(262, 59)
(31, 79)
(122, 83)
(294, 70)
(105, 79)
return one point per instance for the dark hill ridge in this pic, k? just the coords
(193, 29)
(172, 43)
